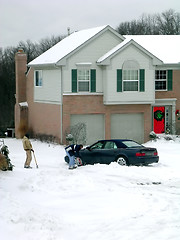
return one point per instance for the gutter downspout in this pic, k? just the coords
(61, 103)
(61, 108)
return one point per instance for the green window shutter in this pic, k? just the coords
(74, 80)
(170, 80)
(142, 80)
(119, 80)
(93, 80)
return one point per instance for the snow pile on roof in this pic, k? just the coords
(66, 46)
(164, 47)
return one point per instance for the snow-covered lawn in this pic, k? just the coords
(100, 202)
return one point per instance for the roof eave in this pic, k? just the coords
(175, 66)
(44, 65)
(106, 61)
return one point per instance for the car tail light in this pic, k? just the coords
(139, 154)
(155, 153)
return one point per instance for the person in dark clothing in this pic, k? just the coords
(72, 151)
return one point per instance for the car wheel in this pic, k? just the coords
(122, 161)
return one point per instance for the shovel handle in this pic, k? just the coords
(35, 159)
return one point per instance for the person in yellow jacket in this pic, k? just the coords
(28, 148)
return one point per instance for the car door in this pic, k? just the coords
(109, 152)
(92, 154)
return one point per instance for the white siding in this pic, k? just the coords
(50, 91)
(112, 96)
(90, 54)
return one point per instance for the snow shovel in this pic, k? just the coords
(35, 160)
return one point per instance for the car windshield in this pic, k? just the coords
(131, 144)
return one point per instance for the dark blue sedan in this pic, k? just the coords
(122, 151)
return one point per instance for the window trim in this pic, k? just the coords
(92, 80)
(130, 80)
(161, 80)
(40, 81)
(84, 80)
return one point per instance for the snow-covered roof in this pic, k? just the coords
(164, 47)
(66, 46)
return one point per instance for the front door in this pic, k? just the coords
(159, 119)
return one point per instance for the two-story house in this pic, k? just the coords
(117, 86)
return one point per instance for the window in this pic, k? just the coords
(131, 144)
(161, 80)
(130, 80)
(110, 145)
(83, 80)
(38, 78)
(98, 145)
(130, 76)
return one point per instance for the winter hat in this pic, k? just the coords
(27, 135)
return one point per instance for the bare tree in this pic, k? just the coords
(7, 88)
(7, 75)
(167, 23)
(47, 43)
(76, 133)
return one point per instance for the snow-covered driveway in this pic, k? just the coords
(100, 202)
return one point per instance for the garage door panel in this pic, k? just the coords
(94, 126)
(130, 126)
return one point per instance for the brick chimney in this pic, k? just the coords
(21, 107)
(20, 68)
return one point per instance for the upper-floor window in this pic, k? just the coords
(130, 80)
(130, 76)
(38, 78)
(161, 80)
(83, 78)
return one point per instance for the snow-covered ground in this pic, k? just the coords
(100, 202)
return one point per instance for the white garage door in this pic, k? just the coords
(128, 126)
(94, 126)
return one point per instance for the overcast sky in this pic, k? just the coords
(21, 20)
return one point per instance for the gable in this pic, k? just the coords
(92, 50)
(161, 48)
(69, 44)
(105, 60)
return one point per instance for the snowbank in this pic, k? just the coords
(104, 202)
